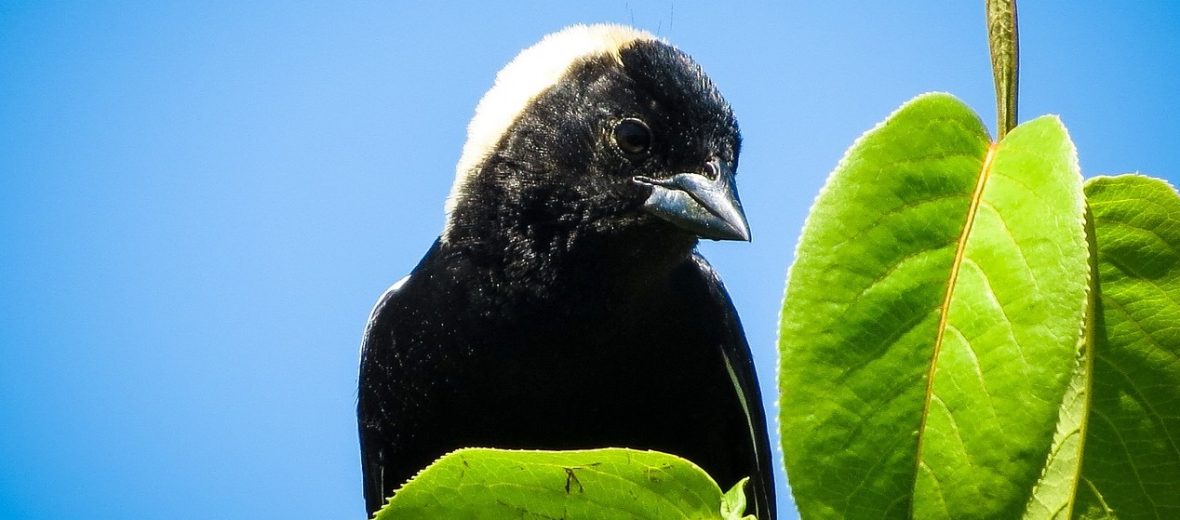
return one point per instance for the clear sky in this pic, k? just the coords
(199, 203)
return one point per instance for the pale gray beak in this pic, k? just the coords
(705, 205)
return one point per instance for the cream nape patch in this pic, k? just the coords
(532, 72)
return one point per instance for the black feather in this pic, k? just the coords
(557, 314)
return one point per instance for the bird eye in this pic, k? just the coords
(632, 136)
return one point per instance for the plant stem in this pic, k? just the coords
(1005, 49)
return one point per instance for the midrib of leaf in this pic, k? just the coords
(944, 312)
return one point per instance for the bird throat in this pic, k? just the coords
(528, 269)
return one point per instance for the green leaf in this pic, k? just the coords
(1131, 460)
(733, 503)
(1053, 495)
(478, 483)
(932, 319)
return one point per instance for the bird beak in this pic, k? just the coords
(705, 205)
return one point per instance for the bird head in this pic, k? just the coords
(597, 130)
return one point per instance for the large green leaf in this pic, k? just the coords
(932, 319)
(1131, 456)
(488, 484)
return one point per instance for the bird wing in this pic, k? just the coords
(372, 467)
(734, 349)
(739, 363)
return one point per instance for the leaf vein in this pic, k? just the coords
(1130, 461)
(944, 313)
(990, 292)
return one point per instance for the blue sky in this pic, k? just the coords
(199, 203)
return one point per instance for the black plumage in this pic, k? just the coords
(564, 306)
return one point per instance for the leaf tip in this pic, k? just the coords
(733, 502)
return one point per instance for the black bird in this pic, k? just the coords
(564, 305)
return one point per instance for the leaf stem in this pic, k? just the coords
(1005, 50)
